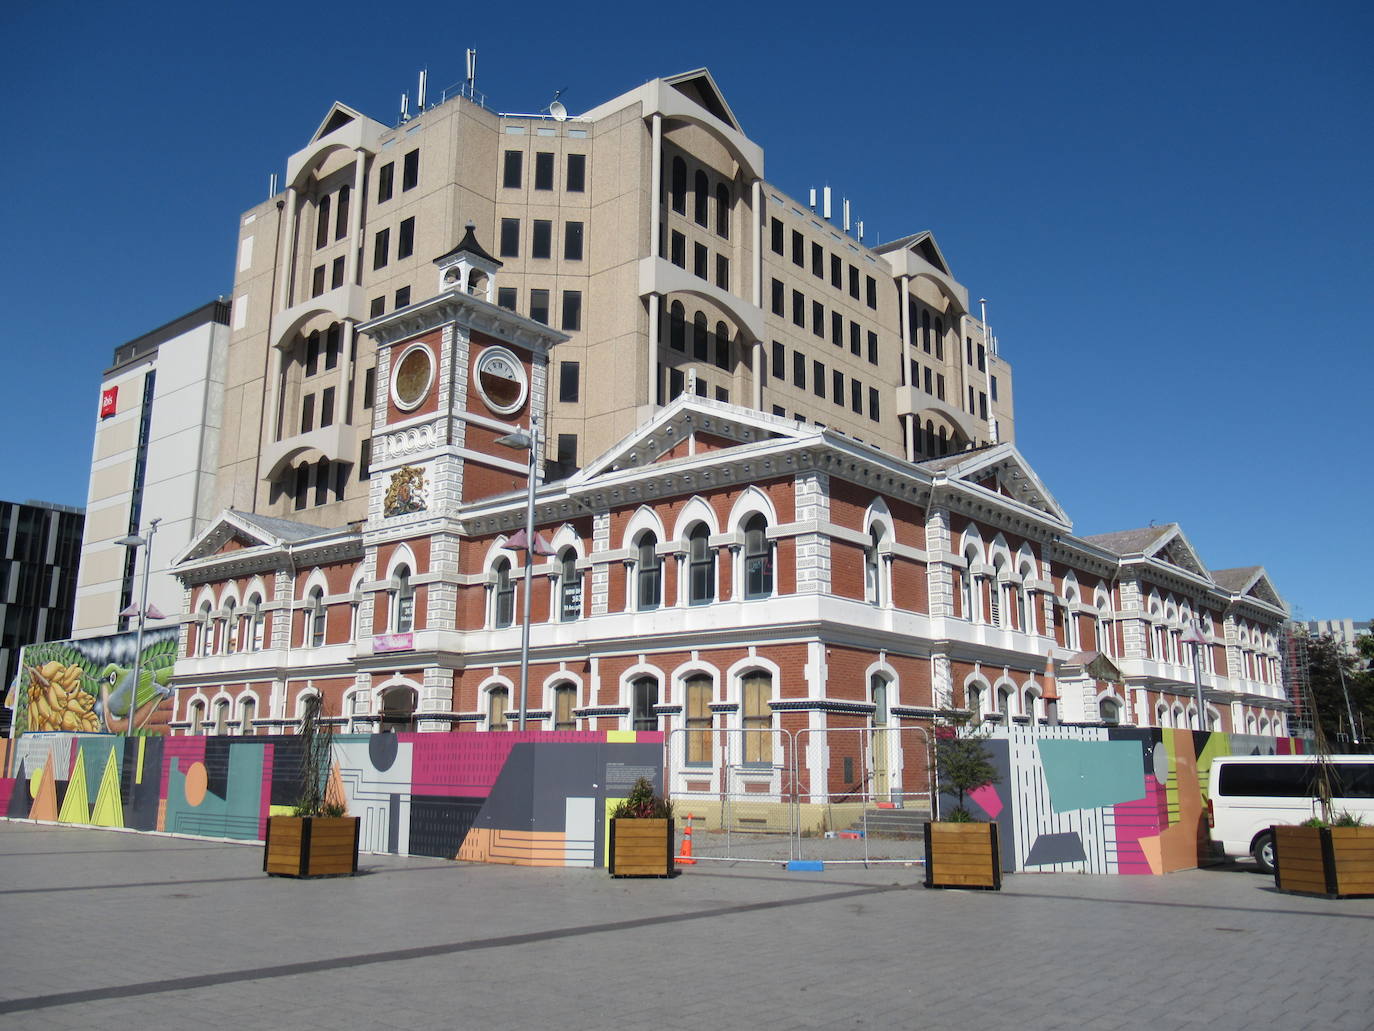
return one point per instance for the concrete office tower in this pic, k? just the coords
(156, 449)
(39, 545)
(645, 231)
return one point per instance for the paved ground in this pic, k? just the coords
(112, 930)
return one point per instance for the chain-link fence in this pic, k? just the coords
(852, 795)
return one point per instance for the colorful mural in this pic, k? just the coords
(1106, 800)
(87, 685)
(535, 798)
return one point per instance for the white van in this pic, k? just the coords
(1248, 794)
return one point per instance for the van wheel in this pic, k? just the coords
(1263, 851)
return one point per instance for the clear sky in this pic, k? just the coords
(1168, 207)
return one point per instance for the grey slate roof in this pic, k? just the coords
(1235, 579)
(284, 529)
(1131, 542)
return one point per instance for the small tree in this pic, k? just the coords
(962, 760)
(643, 804)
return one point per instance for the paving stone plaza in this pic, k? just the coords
(121, 930)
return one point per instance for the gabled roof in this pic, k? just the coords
(921, 244)
(699, 86)
(1250, 582)
(340, 114)
(1002, 470)
(251, 530)
(1167, 544)
(676, 422)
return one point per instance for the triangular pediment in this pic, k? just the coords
(922, 245)
(1174, 549)
(700, 87)
(668, 436)
(235, 531)
(1096, 665)
(1251, 582)
(1004, 471)
(339, 115)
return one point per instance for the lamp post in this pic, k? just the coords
(134, 541)
(528, 441)
(1194, 636)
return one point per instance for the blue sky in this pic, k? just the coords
(1167, 206)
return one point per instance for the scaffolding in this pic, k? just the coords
(1297, 679)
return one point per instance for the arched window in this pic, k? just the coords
(498, 699)
(723, 210)
(1004, 702)
(398, 710)
(677, 326)
(975, 700)
(944, 440)
(877, 691)
(930, 438)
(322, 221)
(643, 703)
(701, 187)
(697, 704)
(564, 702)
(1031, 704)
(997, 587)
(503, 601)
(1109, 711)
(1070, 619)
(248, 711)
(402, 601)
(966, 583)
(925, 332)
(197, 716)
(758, 558)
(221, 719)
(722, 355)
(701, 345)
(756, 718)
(679, 186)
(207, 629)
(257, 623)
(874, 592)
(231, 626)
(569, 586)
(315, 617)
(648, 573)
(701, 564)
(309, 710)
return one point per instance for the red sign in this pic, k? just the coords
(109, 402)
(393, 643)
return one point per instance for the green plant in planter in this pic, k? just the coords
(316, 741)
(1340, 820)
(643, 804)
(962, 761)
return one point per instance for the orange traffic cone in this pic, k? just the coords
(686, 858)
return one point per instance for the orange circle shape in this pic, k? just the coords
(197, 780)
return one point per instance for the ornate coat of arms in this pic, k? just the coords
(406, 492)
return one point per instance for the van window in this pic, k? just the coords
(1294, 780)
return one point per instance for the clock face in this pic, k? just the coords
(414, 373)
(501, 380)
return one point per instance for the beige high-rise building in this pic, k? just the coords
(645, 230)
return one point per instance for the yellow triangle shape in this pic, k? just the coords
(76, 806)
(109, 808)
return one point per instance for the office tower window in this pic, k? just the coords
(837, 329)
(377, 307)
(341, 213)
(572, 310)
(818, 319)
(700, 386)
(677, 252)
(836, 272)
(992, 387)
(818, 379)
(336, 273)
(543, 170)
(701, 261)
(505, 297)
(779, 298)
(699, 333)
(679, 186)
(798, 308)
(818, 261)
(539, 306)
(577, 173)
(982, 405)
(369, 387)
(799, 370)
(940, 386)
(982, 359)
(701, 190)
(872, 292)
(677, 382)
(410, 171)
(856, 396)
(322, 222)
(855, 339)
(722, 272)
(569, 382)
(307, 413)
(837, 386)
(940, 339)
(572, 241)
(541, 239)
(873, 403)
(723, 210)
(317, 281)
(365, 460)
(327, 407)
(853, 282)
(402, 297)
(776, 235)
(873, 347)
(312, 354)
(512, 169)
(928, 388)
(722, 335)
(567, 451)
(779, 369)
(381, 248)
(798, 249)
(302, 487)
(405, 239)
(386, 178)
(510, 238)
(333, 344)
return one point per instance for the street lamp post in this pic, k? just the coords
(528, 441)
(1195, 637)
(134, 541)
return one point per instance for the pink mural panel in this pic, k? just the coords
(1135, 820)
(187, 749)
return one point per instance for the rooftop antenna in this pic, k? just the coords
(556, 108)
(405, 107)
(272, 185)
(825, 208)
(472, 72)
(420, 93)
(860, 228)
(846, 214)
(812, 202)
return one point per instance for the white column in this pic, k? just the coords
(286, 262)
(905, 378)
(343, 396)
(355, 220)
(656, 198)
(651, 357)
(758, 289)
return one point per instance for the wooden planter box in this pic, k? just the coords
(311, 846)
(1337, 862)
(963, 855)
(641, 848)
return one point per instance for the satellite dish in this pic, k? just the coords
(559, 112)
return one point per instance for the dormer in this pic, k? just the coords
(469, 268)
